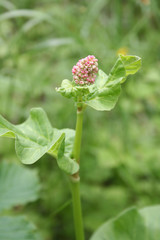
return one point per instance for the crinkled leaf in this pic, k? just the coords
(70, 90)
(17, 228)
(132, 224)
(66, 89)
(105, 99)
(18, 185)
(34, 137)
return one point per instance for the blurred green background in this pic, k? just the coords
(40, 41)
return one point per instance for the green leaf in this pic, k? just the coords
(66, 89)
(108, 89)
(62, 155)
(34, 137)
(69, 140)
(131, 63)
(69, 89)
(132, 224)
(117, 73)
(101, 79)
(65, 162)
(124, 66)
(105, 99)
(17, 228)
(57, 150)
(18, 185)
(68, 165)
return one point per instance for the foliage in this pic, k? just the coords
(18, 186)
(17, 228)
(23, 185)
(131, 224)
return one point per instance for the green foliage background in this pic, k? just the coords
(40, 41)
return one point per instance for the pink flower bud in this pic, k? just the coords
(84, 72)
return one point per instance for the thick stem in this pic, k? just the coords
(75, 180)
(77, 211)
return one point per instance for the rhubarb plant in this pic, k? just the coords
(90, 87)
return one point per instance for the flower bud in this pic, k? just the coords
(84, 72)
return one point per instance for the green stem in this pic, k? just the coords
(78, 136)
(77, 211)
(75, 180)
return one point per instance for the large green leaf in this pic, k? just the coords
(132, 224)
(17, 228)
(35, 137)
(18, 185)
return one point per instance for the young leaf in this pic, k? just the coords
(117, 73)
(66, 89)
(18, 228)
(108, 87)
(132, 224)
(124, 66)
(131, 63)
(18, 185)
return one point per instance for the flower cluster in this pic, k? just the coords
(84, 72)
